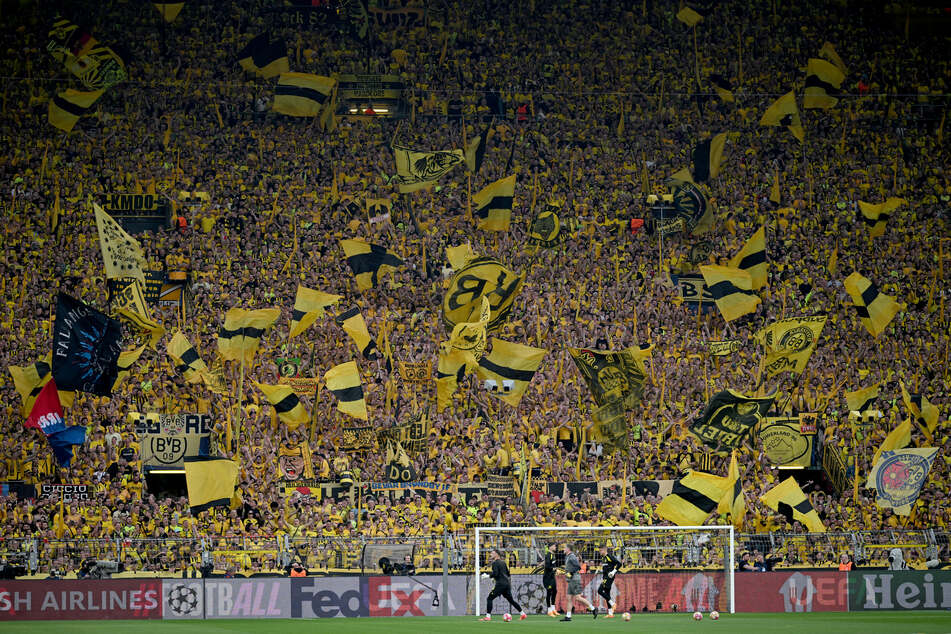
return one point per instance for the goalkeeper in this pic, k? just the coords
(548, 580)
(503, 586)
(609, 568)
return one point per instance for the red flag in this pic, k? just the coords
(47, 414)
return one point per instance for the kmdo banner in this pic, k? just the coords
(165, 439)
(794, 591)
(106, 599)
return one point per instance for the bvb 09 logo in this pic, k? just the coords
(796, 339)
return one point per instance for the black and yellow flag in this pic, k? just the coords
(121, 254)
(186, 358)
(707, 156)
(823, 84)
(169, 10)
(302, 94)
(875, 216)
(450, 369)
(733, 501)
(288, 407)
(493, 205)
(789, 343)
(210, 481)
(897, 438)
(67, 107)
(788, 500)
(875, 310)
(828, 52)
(723, 88)
(469, 338)
(127, 359)
(862, 399)
(481, 276)
(689, 17)
(926, 414)
(752, 259)
(785, 112)
(264, 58)
(508, 369)
(458, 256)
(30, 379)
(309, 306)
(732, 290)
(399, 468)
(354, 325)
(475, 150)
(155, 331)
(613, 375)
(241, 333)
(369, 261)
(693, 497)
(344, 381)
(547, 229)
(728, 419)
(417, 170)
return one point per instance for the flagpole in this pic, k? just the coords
(313, 409)
(237, 424)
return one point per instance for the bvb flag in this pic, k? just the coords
(127, 359)
(823, 81)
(862, 399)
(785, 112)
(481, 277)
(264, 58)
(121, 254)
(344, 381)
(450, 368)
(210, 481)
(613, 375)
(241, 333)
(186, 358)
(493, 205)
(896, 439)
(733, 501)
(475, 150)
(67, 107)
(875, 216)
(309, 306)
(875, 310)
(898, 477)
(28, 380)
(302, 94)
(547, 229)
(828, 52)
(728, 419)
(417, 170)
(707, 156)
(752, 259)
(143, 324)
(789, 500)
(86, 347)
(458, 256)
(288, 407)
(368, 261)
(926, 414)
(789, 343)
(732, 290)
(693, 497)
(354, 325)
(469, 338)
(510, 368)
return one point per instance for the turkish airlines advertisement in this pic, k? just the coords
(106, 599)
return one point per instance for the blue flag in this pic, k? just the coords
(62, 443)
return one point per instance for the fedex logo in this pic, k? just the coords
(328, 598)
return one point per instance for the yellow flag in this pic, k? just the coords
(897, 439)
(121, 254)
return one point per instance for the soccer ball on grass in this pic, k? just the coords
(506, 617)
(698, 616)
(714, 615)
(626, 616)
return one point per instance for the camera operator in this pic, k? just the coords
(406, 567)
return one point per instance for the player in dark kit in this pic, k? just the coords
(503, 586)
(548, 580)
(609, 567)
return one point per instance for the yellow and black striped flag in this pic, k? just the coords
(707, 156)
(734, 502)
(302, 94)
(723, 88)
(823, 84)
(186, 358)
(30, 379)
(789, 343)
(732, 290)
(450, 369)
(130, 316)
(926, 414)
(875, 216)
(752, 259)
(862, 399)
(309, 306)
(789, 501)
(241, 333)
(828, 52)
(288, 407)
(344, 381)
(354, 325)
(67, 107)
(169, 10)
(875, 310)
(369, 261)
(264, 58)
(508, 369)
(693, 497)
(475, 150)
(493, 205)
(210, 481)
(785, 112)
(127, 359)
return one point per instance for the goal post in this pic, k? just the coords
(666, 568)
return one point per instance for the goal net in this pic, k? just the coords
(663, 568)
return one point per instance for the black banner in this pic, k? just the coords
(86, 348)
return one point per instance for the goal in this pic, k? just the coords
(663, 568)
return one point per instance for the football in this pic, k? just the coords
(697, 616)
(506, 617)
(714, 615)
(626, 616)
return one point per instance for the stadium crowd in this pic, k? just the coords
(567, 72)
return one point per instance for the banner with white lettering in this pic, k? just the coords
(80, 599)
(166, 439)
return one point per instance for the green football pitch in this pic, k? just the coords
(816, 623)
